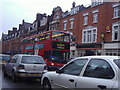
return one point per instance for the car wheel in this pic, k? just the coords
(4, 73)
(14, 78)
(46, 85)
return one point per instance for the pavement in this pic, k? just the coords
(0, 76)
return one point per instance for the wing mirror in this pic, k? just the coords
(59, 71)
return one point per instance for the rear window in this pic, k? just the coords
(5, 58)
(32, 60)
(117, 62)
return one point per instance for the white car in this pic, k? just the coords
(89, 72)
(25, 66)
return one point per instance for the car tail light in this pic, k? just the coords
(20, 67)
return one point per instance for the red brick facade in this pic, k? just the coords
(95, 36)
(104, 26)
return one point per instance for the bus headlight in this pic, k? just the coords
(52, 64)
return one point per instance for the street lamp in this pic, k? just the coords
(103, 37)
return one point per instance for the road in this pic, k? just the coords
(7, 83)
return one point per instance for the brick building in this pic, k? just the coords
(112, 44)
(11, 42)
(55, 18)
(96, 29)
(39, 25)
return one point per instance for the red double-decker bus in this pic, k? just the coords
(53, 46)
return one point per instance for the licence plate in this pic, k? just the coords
(34, 74)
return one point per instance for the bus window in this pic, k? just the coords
(59, 56)
(46, 54)
(45, 36)
(67, 38)
(60, 36)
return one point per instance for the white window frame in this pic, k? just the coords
(64, 24)
(43, 21)
(116, 6)
(85, 16)
(118, 31)
(94, 35)
(95, 17)
(85, 20)
(89, 37)
(71, 24)
(84, 36)
(116, 11)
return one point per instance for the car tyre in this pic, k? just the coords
(14, 77)
(46, 85)
(4, 73)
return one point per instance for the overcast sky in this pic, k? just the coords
(12, 12)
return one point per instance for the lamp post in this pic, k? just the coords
(103, 37)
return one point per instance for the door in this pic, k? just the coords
(70, 74)
(99, 74)
(10, 65)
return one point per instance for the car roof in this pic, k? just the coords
(24, 55)
(4, 55)
(102, 57)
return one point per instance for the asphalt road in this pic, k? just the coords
(7, 83)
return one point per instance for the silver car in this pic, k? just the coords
(90, 72)
(25, 66)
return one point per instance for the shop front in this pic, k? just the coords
(89, 49)
(112, 48)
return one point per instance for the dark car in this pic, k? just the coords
(4, 58)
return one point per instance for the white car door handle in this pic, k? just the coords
(102, 87)
(71, 80)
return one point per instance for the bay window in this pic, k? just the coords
(89, 35)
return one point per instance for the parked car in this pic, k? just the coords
(4, 58)
(25, 66)
(90, 72)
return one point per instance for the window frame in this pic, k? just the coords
(95, 67)
(114, 31)
(95, 17)
(65, 26)
(116, 12)
(85, 59)
(85, 21)
(71, 24)
(92, 35)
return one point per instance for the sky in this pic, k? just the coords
(12, 12)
